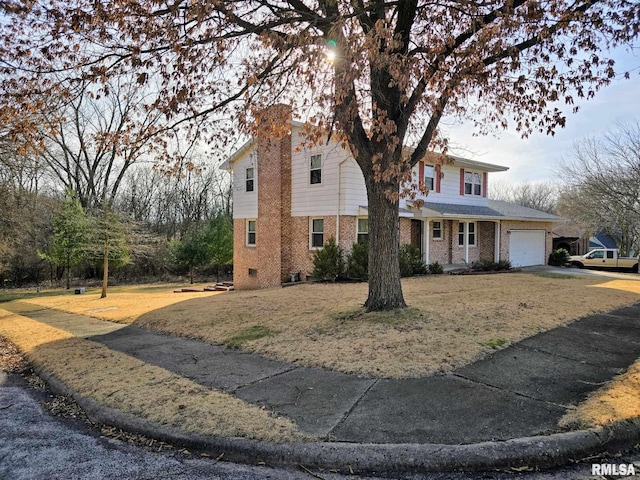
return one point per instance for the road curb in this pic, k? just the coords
(539, 451)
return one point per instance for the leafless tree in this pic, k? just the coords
(169, 204)
(88, 141)
(537, 195)
(602, 185)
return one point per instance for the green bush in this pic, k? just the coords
(484, 266)
(358, 261)
(411, 261)
(328, 262)
(504, 265)
(435, 268)
(490, 266)
(559, 257)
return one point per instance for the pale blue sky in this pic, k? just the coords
(535, 159)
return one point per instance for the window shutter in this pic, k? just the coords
(462, 181)
(438, 174)
(484, 184)
(420, 172)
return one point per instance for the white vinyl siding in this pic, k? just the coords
(322, 199)
(245, 204)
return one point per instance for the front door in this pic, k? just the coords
(416, 234)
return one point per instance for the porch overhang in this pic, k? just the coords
(494, 211)
(363, 211)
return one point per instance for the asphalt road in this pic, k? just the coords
(35, 445)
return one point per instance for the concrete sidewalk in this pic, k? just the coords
(519, 392)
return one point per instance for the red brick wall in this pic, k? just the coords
(243, 257)
(273, 226)
(486, 239)
(439, 249)
(348, 228)
(405, 231)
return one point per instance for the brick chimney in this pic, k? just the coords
(273, 226)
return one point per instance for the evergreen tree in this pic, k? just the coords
(71, 236)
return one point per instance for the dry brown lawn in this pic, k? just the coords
(122, 304)
(453, 320)
(617, 401)
(119, 381)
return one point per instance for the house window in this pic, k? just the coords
(315, 170)
(471, 231)
(317, 233)
(429, 175)
(248, 179)
(467, 230)
(251, 233)
(436, 228)
(472, 183)
(363, 230)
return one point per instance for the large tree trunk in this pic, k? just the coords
(385, 289)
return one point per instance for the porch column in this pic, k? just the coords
(466, 242)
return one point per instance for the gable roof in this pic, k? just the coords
(457, 161)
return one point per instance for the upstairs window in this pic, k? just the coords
(363, 230)
(429, 175)
(472, 183)
(315, 170)
(248, 179)
(317, 233)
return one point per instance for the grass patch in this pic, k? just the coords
(495, 343)
(391, 317)
(11, 295)
(119, 381)
(123, 304)
(247, 335)
(558, 276)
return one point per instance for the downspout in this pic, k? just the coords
(496, 253)
(426, 240)
(338, 210)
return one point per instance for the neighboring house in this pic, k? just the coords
(289, 200)
(578, 241)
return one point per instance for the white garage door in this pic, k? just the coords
(526, 247)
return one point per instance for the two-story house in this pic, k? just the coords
(289, 200)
